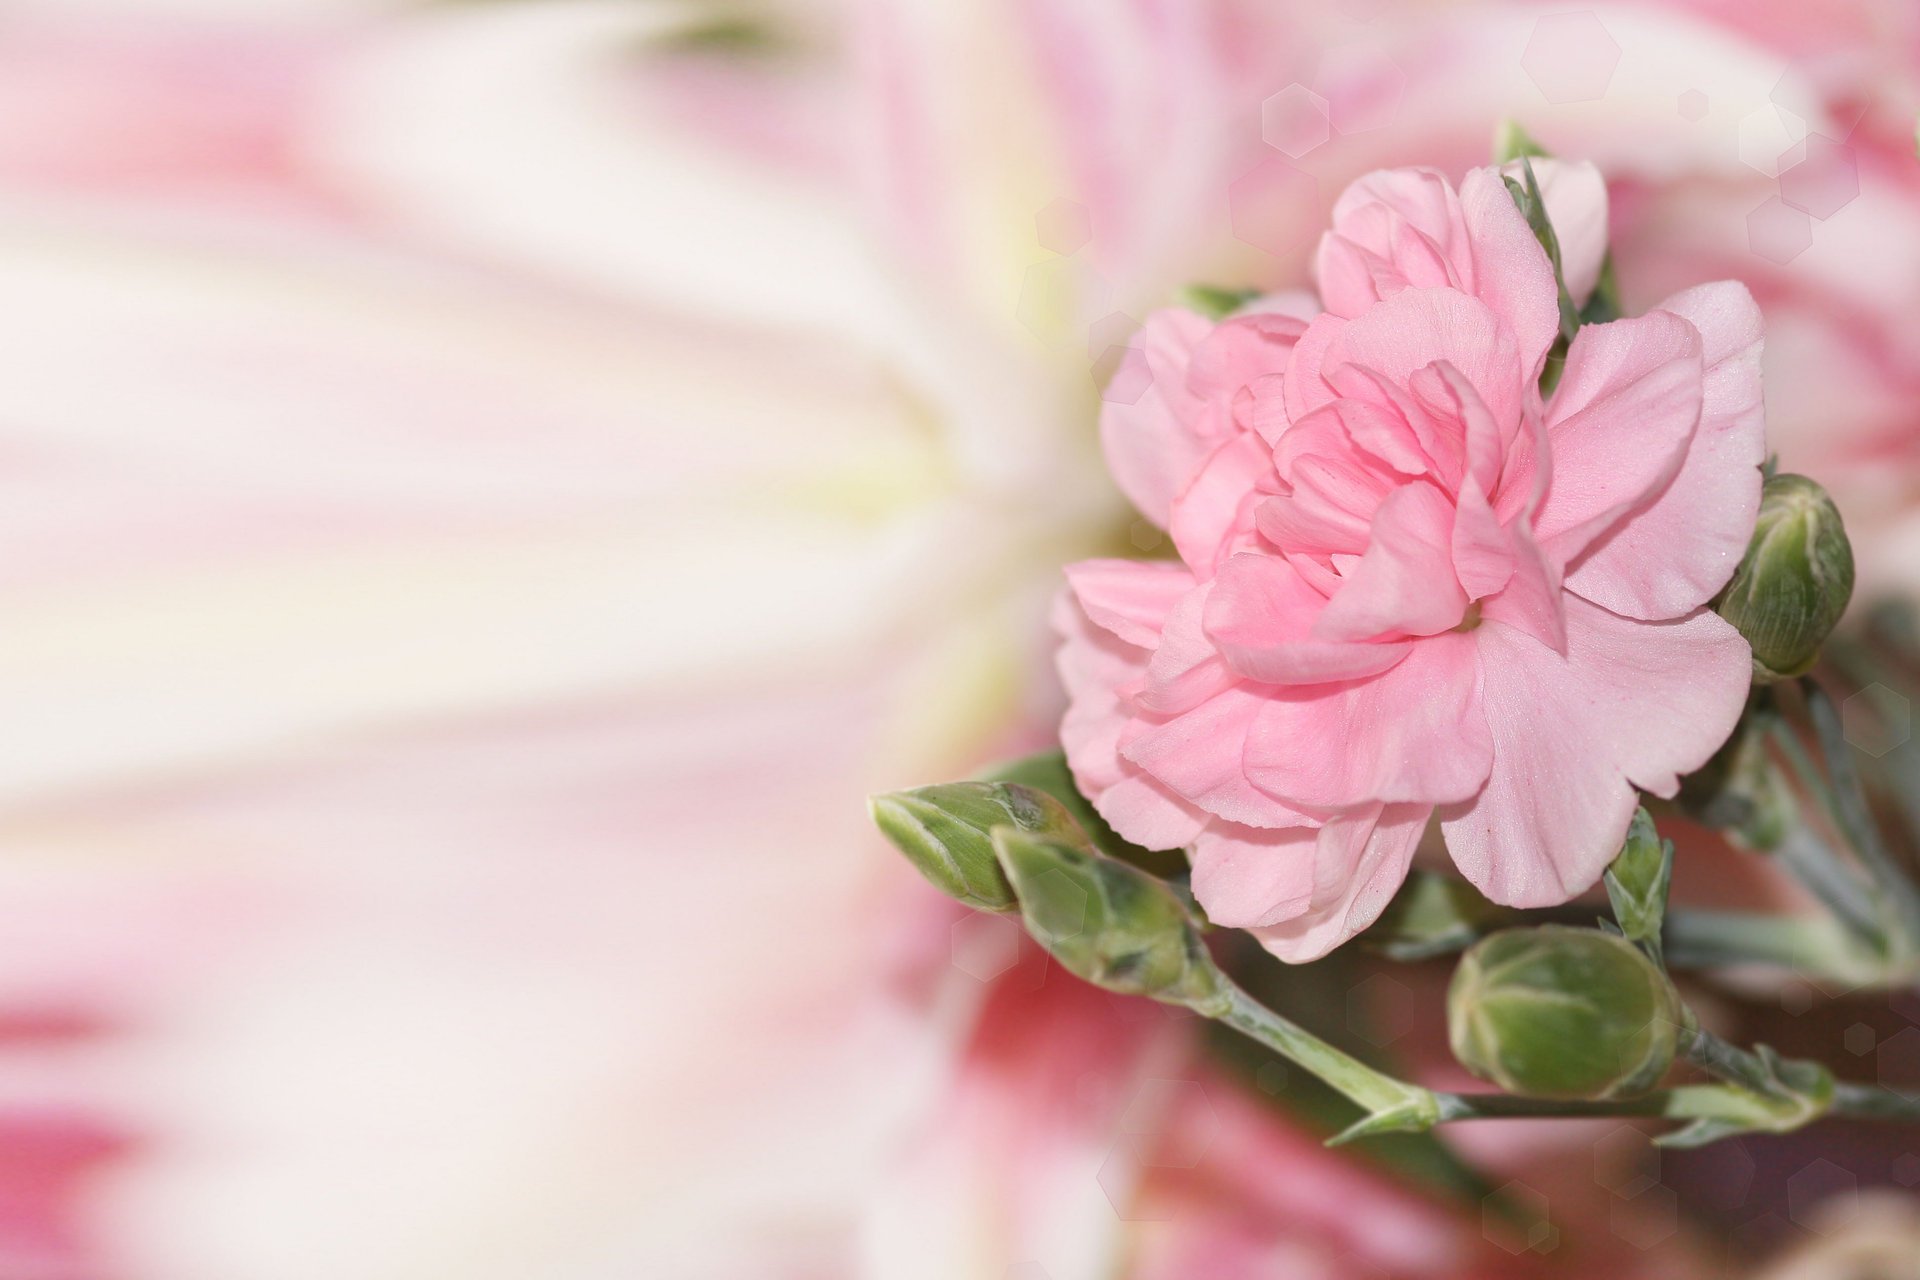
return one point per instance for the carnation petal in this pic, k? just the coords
(1630, 704)
(1482, 550)
(1414, 733)
(1094, 665)
(1404, 583)
(1130, 598)
(1197, 755)
(1676, 550)
(1216, 511)
(1246, 877)
(1360, 862)
(1411, 330)
(1575, 196)
(1151, 446)
(1511, 272)
(1618, 426)
(1259, 615)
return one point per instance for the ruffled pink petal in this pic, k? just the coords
(1186, 669)
(1240, 349)
(1247, 878)
(1532, 601)
(1675, 551)
(1414, 733)
(1483, 556)
(1306, 390)
(1152, 446)
(1404, 583)
(1360, 862)
(1511, 273)
(1094, 666)
(1630, 704)
(1576, 198)
(1130, 598)
(1618, 426)
(1214, 516)
(1259, 614)
(1391, 230)
(1197, 756)
(1414, 328)
(1436, 446)
(1484, 442)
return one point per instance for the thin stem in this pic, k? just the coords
(1870, 1102)
(1369, 1088)
(1811, 860)
(1849, 801)
(1728, 1061)
(1816, 946)
(1758, 1096)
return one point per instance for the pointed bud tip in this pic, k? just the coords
(943, 830)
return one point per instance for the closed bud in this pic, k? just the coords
(1638, 879)
(1795, 581)
(1107, 922)
(1558, 1012)
(945, 832)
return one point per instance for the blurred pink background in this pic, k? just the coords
(491, 486)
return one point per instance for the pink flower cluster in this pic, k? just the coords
(1410, 585)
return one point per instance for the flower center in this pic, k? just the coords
(1471, 618)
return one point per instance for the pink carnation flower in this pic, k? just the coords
(1410, 586)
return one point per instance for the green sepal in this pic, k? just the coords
(1213, 301)
(1638, 881)
(1416, 1115)
(944, 831)
(1108, 922)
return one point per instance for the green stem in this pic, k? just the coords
(1371, 1089)
(1762, 1094)
(1814, 863)
(1814, 946)
(1855, 819)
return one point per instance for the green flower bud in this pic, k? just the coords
(1107, 922)
(944, 831)
(1558, 1012)
(1637, 881)
(1795, 580)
